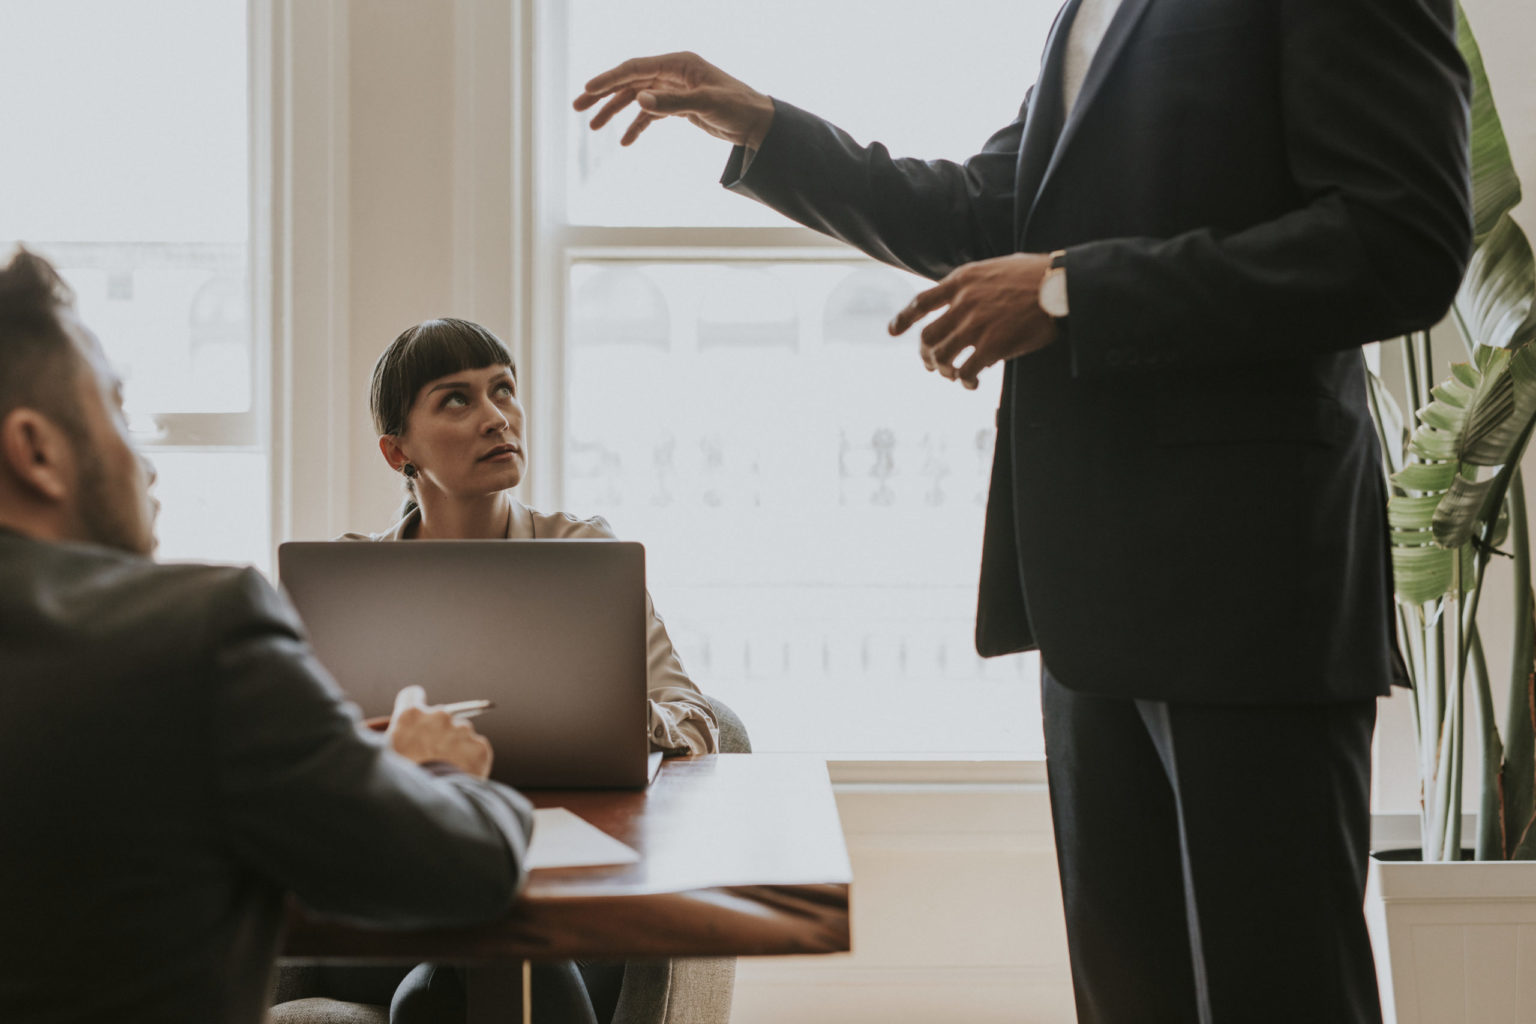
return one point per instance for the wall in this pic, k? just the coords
(395, 120)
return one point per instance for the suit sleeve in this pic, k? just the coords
(1374, 97)
(926, 216)
(310, 801)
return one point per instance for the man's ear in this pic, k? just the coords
(35, 451)
(389, 444)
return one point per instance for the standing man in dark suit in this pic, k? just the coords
(172, 757)
(1202, 211)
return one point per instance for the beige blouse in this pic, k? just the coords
(682, 721)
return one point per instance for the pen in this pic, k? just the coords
(458, 709)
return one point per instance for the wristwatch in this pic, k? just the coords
(1053, 286)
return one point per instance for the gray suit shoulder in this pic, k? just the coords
(220, 596)
(103, 588)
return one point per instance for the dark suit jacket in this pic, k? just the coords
(1186, 494)
(172, 759)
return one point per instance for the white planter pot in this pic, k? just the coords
(1454, 943)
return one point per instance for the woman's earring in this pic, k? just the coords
(409, 470)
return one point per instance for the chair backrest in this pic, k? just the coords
(733, 734)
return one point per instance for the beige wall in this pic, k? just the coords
(401, 141)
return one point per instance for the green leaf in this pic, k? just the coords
(1421, 574)
(1495, 187)
(1456, 392)
(1464, 374)
(1442, 416)
(1413, 513)
(1435, 445)
(1497, 429)
(1495, 298)
(1420, 476)
(1456, 516)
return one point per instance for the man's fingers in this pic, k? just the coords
(970, 370)
(620, 100)
(589, 99)
(410, 697)
(486, 758)
(943, 340)
(689, 101)
(682, 68)
(639, 124)
(922, 304)
(617, 77)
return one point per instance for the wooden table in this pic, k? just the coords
(740, 855)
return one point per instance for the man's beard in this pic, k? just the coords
(103, 517)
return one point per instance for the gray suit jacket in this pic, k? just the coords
(172, 759)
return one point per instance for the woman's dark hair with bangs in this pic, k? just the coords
(420, 355)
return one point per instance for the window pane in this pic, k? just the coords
(811, 501)
(921, 78)
(214, 505)
(126, 164)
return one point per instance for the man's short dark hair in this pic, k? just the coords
(38, 361)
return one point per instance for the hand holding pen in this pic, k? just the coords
(422, 734)
(461, 709)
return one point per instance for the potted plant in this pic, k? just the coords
(1446, 930)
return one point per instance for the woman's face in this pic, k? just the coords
(465, 433)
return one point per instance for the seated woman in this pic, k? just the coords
(444, 398)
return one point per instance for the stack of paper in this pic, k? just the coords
(563, 840)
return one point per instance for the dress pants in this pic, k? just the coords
(1213, 858)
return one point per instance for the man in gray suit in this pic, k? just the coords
(172, 757)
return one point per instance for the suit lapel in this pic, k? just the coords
(1043, 123)
(1104, 58)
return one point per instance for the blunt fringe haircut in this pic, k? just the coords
(421, 354)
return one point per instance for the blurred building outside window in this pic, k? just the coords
(125, 164)
(811, 500)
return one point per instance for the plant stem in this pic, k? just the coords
(1517, 787)
(1449, 789)
(1490, 836)
(1432, 736)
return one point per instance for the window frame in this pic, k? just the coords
(544, 258)
(248, 431)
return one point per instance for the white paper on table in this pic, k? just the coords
(563, 840)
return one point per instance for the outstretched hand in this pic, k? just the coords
(994, 311)
(680, 85)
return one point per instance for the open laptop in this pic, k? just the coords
(552, 631)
